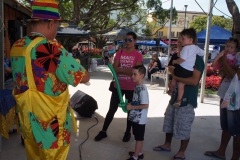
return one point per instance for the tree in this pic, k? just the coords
(158, 18)
(233, 9)
(96, 15)
(200, 23)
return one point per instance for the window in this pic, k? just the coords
(172, 34)
(159, 33)
(194, 16)
(178, 34)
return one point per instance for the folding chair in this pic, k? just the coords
(161, 74)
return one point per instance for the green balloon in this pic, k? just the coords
(122, 104)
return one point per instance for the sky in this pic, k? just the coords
(193, 6)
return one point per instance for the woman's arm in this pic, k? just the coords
(153, 66)
(228, 69)
(122, 70)
(216, 59)
(149, 64)
(193, 81)
(7, 70)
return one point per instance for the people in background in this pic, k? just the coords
(214, 52)
(111, 49)
(7, 68)
(111, 52)
(153, 66)
(105, 56)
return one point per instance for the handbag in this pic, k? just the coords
(231, 97)
(111, 87)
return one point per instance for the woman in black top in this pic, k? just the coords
(154, 66)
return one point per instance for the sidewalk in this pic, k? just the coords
(205, 135)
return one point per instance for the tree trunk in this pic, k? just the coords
(60, 6)
(100, 42)
(76, 13)
(233, 9)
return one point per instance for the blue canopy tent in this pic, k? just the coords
(148, 43)
(218, 35)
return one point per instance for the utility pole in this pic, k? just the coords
(209, 22)
(169, 44)
(185, 16)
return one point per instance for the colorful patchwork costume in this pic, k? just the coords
(42, 70)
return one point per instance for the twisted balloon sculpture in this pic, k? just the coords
(122, 104)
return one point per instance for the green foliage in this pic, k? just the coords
(160, 16)
(66, 11)
(200, 23)
(208, 91)
(96, 56)
(25, 2)
(96, 15)
(149, 28)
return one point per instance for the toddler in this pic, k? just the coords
(230, 52)
(185, 63)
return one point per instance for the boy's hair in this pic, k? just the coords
(132, 34)
(190, 33)
(141, 69)
(234, 40)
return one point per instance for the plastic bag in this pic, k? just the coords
(231, 98)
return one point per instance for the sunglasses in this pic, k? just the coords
(128, 39)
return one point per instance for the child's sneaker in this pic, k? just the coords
(141, 156)
(132, 158)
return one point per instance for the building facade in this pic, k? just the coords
(178, 27)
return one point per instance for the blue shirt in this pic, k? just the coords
(5, 65)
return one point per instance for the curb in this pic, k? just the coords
(209, 95)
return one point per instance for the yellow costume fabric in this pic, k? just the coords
(45, 121)
(7, 122)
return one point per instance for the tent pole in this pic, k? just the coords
(169, 44)
(206, 51)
